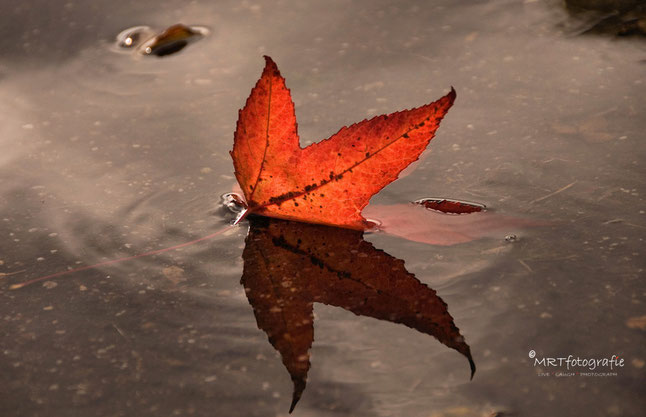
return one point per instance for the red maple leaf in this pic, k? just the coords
(331, 181)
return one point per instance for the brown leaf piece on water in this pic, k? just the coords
(290, 265)
(172, 40)
(448, 206)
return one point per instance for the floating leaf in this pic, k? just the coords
(331, 181)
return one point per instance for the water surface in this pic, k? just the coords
(107, 154)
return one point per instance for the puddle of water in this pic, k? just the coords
(106, 155)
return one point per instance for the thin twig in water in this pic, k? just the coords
(560, 190)
(523, 263)
(119, 331)
(6, 274)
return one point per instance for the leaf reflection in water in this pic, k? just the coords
(288, 266)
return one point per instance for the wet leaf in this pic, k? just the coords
(171, 40)
(331, 181)
(445, 205)
(288, 266)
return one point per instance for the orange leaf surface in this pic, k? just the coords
(331, 181)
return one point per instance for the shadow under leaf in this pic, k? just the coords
(288, 266)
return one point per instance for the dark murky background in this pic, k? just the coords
(106, 154)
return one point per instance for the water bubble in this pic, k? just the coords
(134, 36)
(233, 202)
(511, 238)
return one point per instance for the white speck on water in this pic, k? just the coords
(50, 284)
(511, 238)
(28, 126)
(40, 259)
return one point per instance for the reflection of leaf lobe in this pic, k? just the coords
(289, 265)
